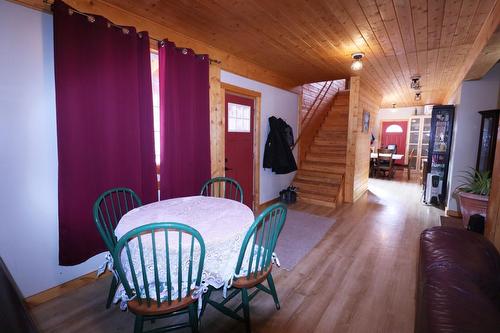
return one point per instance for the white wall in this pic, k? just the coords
(474, 96)
(274, 102)
(28, 162)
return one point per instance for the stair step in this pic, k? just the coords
(326, 177)
(339, 110)
(335, 150)
(315, 200)
(317, 187)
(334, 126)
(331, 136)
(342, 101)
(330, 141)
(324, 166)
(332, 132)
(315, 148)
(335, 157)
(336, 119)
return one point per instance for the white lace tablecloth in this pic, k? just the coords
(222, 223)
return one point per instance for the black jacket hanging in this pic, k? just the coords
(278, 153)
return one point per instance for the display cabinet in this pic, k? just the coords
(438, 156)
(487, 140)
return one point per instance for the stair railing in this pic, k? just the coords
(313, 120)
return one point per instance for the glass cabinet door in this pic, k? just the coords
(418, 141)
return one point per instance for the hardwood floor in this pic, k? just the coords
(360, 278)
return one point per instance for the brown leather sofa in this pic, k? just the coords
(459, 282)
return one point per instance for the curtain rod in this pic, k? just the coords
(123, 28)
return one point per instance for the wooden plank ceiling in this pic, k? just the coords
(312, 40)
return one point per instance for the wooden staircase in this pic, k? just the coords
(320, 178)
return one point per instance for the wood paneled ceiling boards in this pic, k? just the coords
(309, 41)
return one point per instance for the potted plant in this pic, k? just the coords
(473, 194)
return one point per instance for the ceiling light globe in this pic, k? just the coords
(357, 65)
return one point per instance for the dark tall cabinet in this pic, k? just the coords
(439, 154)
(487, 140)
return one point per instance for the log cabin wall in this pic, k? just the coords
(362, 97)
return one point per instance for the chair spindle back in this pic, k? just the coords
(223, 187)
(109, 209)
(260, 241)
(153, 244)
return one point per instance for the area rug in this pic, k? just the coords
(301, 232)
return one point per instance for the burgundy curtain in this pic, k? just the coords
(184, 121)
(104, 122)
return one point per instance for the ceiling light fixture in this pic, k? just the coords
(418, 96)
(415, 82)
(357, 63)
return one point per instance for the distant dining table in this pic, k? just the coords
(394, 156)
(222, 223)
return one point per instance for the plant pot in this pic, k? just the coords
(471, 204)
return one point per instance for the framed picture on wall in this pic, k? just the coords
(366, 121)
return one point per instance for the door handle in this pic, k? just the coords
(227, 169)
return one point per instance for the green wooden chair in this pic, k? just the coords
(108, 210)
(161, 297)
(223, 187)
(254, 266)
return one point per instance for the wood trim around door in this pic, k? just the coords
(256, 96)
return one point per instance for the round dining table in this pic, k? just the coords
(222, 223)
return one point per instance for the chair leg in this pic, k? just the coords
(273, 291)
(112, 291)
(139, 321)
(206, 297)
(193, 317)
(246, 309)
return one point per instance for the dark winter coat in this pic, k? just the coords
(278, 153)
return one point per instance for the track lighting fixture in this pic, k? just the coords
(415, 82)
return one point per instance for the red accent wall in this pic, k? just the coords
(395, 138)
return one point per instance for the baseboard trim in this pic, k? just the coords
(63, 289)
(266, 204)
(452, 213)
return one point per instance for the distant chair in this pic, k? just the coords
(393, 147)
(407, 166)
(254, 263)
(385, 163)
(164, 291)
(108, 210)
(222, 187)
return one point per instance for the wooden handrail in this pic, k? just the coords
(315, 100)
(308, 119)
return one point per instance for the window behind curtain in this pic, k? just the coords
(155, 78)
